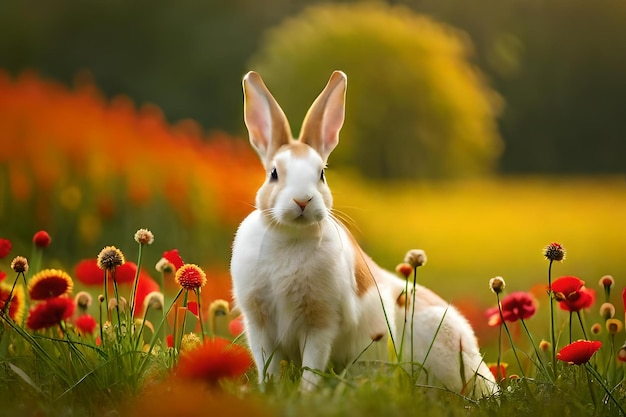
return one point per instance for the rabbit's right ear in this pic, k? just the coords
(266, 122)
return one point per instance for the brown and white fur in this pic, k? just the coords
(307, 291)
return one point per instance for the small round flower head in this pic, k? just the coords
(544, 345)
(607, 310)
(404, 269)
(110, 258)
(554, 252)
(83, 300)
(497, 284)
(113, 303)
(42, 239)
(101, 298)
(144, 237)
(49, 283)
(154, 301)
(85, 324)
(607, 281)
(190, 277)
(189, 342)
(19, 264)
(614, 326)
(596, 328)
(415, 257)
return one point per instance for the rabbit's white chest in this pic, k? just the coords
(292, 285)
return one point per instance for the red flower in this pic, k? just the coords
(49, 283)
(16, 308)
(3, 275)
(88, 272)
(190, 277)
(85, 324)
(579, 352)
(572, 294)
(493, 367)
(518, 305)
(235, 327)
(50, 312)
(192, 306)
(584, 299)
(515, 306)
(42, 239)
(169, 340)
(174, 258)
(624, 297)
(145, 286)
(5, 248)
(217, 358)
(566, 287)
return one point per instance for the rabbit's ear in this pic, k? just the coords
(324, 120)
(267, 125)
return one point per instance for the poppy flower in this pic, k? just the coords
(584, 298)
(518, 305)
(88, 272)
(42, 239)
(216, 359)
(50, 312)
(579, 352)
(5, 248)
(171, 259)
(85, 324)
(146, 285)
(49, 283)
(566, 287)
(16, 308)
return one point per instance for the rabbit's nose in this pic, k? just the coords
(302, 203)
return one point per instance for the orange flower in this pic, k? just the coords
(217, 358)
(579, 352)
(190, 277)
(49, 283)
(404, 269)
(50, 312)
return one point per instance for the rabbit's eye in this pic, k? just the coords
(322, 177)
(274, 175)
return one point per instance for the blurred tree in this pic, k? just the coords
(416, 107)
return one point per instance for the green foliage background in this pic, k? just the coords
(558, 65)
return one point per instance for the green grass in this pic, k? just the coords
(471, 232)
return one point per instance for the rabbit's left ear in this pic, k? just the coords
(324, 120)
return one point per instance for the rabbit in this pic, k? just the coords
(307, 292)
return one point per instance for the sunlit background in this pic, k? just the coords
(478, 131)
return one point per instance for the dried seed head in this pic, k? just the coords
(144, 237)
(19, 264)
(415, 257)
(110, 258)
(554, 252)
(497, 284)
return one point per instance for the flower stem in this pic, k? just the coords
(508, 334)
(200, 314)
(413, 319)
(133, 293)
(552, 331)
(582, 326)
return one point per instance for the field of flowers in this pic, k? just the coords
(115, 230)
